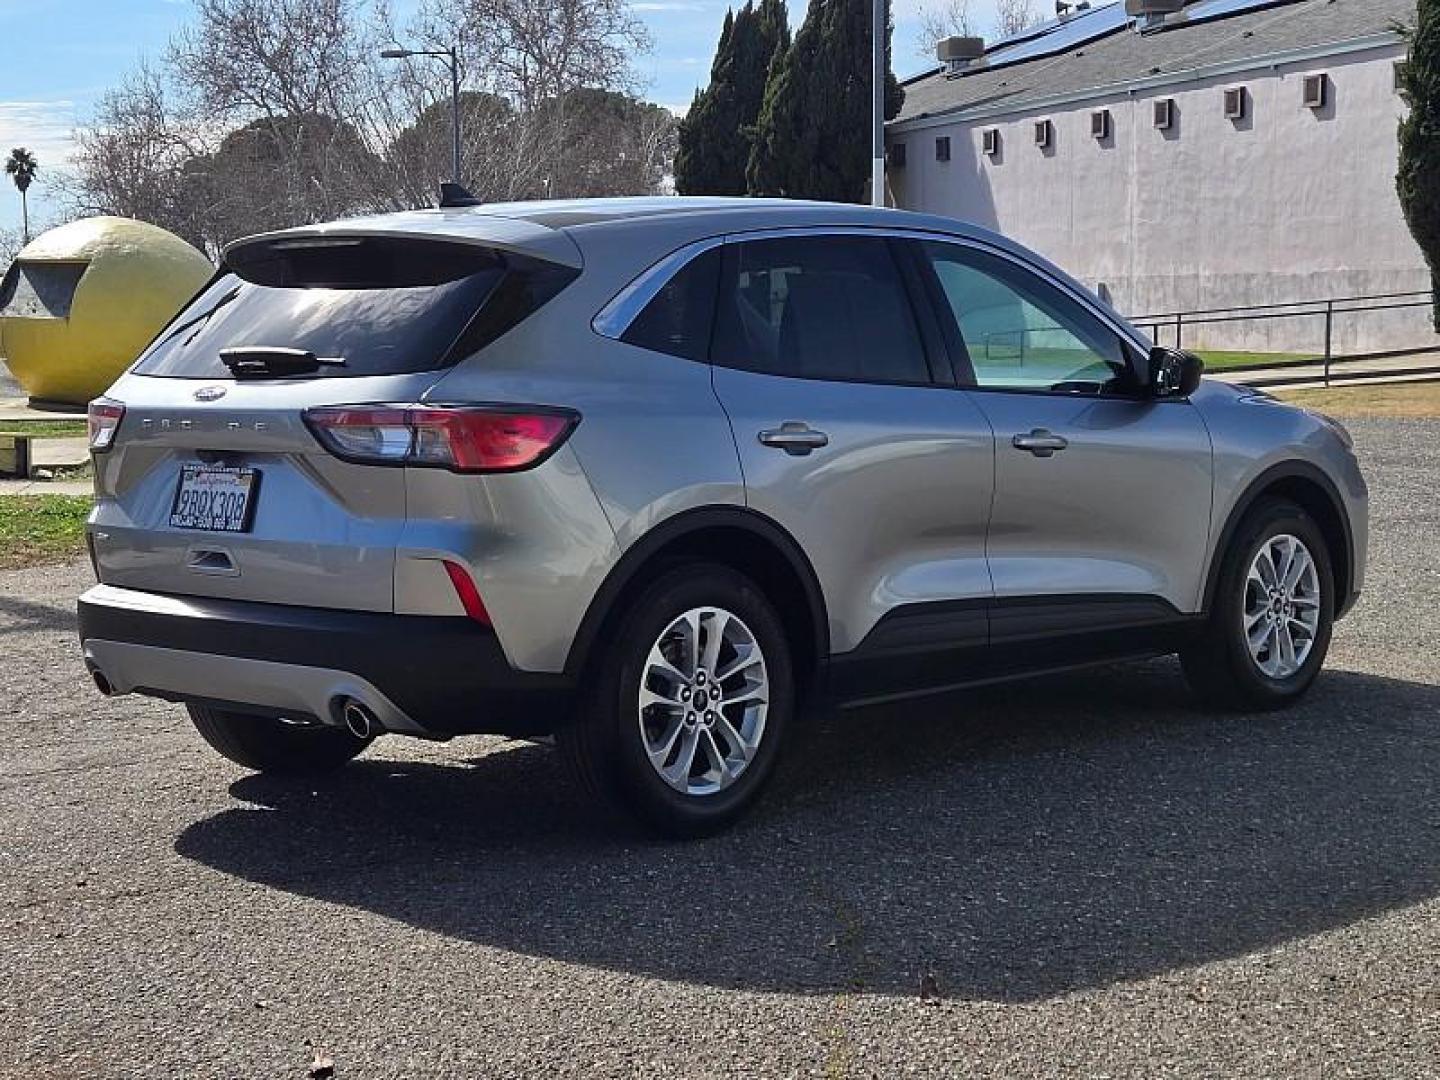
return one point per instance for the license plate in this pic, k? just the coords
(215, 498)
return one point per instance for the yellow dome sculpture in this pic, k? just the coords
(82, 301)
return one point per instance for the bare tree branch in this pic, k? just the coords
(1013, 16)
(266, 113)
(951, 18)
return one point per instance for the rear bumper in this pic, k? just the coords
(421, 675)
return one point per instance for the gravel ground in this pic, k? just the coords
(1104, 880)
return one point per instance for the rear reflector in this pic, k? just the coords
(468, 594)
(104, 418)
(461, 438)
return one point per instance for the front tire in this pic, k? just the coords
(687, 706)
(269, 745)
(1273, 612)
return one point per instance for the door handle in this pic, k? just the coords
(795, 437)
(1040, 442)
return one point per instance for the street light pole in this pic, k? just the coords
(454, 114)
(451, 60)
(877, 87)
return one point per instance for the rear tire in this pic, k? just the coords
(268, 745)
(1266, 640)
(686, 707)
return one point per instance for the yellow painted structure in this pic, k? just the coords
(82, 301)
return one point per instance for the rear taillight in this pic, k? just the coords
(461, 438)
(104, 416)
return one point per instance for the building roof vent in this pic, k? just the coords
(1151, 13)
(958, 53)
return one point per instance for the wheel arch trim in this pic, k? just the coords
(691, 523)
(1258, 488)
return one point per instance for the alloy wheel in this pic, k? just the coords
(1281, 613)
(703, 700)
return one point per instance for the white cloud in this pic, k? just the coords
(45, 128)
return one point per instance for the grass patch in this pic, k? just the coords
(40, 529)
(44, 429)
(1417, 400)
(1230, 361)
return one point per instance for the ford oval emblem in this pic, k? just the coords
(210, 393)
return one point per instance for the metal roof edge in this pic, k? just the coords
(961, 114)
(936, 70)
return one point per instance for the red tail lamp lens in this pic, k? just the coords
(473, 441)
(467, 439)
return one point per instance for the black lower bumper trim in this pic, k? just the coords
(448, 674)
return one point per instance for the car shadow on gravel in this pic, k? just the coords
(1020, 842)
(23, 616)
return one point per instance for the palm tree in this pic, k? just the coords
(21, 166)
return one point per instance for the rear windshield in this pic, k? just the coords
(382, 307)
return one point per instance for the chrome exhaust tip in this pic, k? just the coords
(102, 683)
(359, 720)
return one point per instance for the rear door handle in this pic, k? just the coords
(1040, 442)
(795, 437)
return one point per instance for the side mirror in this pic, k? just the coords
(1174, 374)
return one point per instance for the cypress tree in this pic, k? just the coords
(1418, 182)
(812, 140)
(714, 146)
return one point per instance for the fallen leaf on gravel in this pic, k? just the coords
(929, 988)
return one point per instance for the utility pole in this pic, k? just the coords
(877, 88)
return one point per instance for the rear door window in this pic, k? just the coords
(819, 307)
(382, 306)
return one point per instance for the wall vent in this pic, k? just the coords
(1317, 91)
(1400, 68)
(896, 157)
(1100, 124)
(942, 148)
(1235, 102)
(1044, 134)
(990, 141)
(1164, 114)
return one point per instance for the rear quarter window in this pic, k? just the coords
(678, 318)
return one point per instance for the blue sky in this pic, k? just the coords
(58, 56)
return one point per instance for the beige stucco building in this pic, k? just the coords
(1231, 154)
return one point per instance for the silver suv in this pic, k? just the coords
(648, 474)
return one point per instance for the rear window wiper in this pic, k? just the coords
(200, 319)
(268, 361)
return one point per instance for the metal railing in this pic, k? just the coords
(1174, 324)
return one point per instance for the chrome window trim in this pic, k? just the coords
(614, 319)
